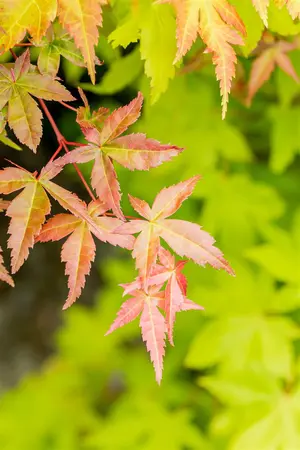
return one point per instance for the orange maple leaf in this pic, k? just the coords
(219, 25)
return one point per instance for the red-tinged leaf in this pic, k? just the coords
(174, 298)
(90, 122)
(145, 251)
(169, 200)
(121, 119)
(96, 208)
(58, 227)
(159, 275)
(4, 204)
(140, 206)
(284, 62)
(81, 19)
(44, 87)
(166, 258)
(181, 279)
(188, 239)
(154, 328)
(51, 169)
(22, 65)
(4, 275)
(131, 227)
(219, 28)
(265, 63)
(78, 253)
(70, 202)
(28, 213)
(128, 312)
(104, 177)
(12, 179)
(79, 155)
(188, 305)
(25, 119)
(105, 183)
(107, 226)
(135, 151)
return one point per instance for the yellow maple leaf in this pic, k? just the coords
(19, 16)
(81, 18)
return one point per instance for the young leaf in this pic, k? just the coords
(4, 275)
(28, 213)
(132, 151)
(78, 252)
(49, 61)
(81, 20)
(265, 63)
(25, 119)
(128, 312)
(24, 116)
(185, 238)
(220, 27)
(153, 328)
(152, 324)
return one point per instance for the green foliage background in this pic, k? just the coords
(232, 381)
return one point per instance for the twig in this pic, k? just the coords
(68, 106)
(79, 173)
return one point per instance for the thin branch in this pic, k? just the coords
(79, 173)
(68, 106)
(13, 53)
(24, 44)
(58, 134)
(56, 152)
(63, 143)
(75, 144)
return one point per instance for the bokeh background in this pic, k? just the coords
(232, 380)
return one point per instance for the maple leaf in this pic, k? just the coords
(152, 323)
(19, 16)
(87, 120)
(78, 252)
(265, 63)
(56, 43)
(27, 212)
(4, 275)
(219, 26)
(16, 87)
(29, 209)
(81, 18)
(261, 6)
(175, 293)
(185, 238)
(133, 151)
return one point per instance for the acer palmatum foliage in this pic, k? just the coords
(220, 27)
(160, 289)
(274, 53)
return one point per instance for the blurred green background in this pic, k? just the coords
(232, 380)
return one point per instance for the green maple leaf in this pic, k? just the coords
(245, 327)
(17, 83)
(280, 255)
(235, 209)
(268, 417)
